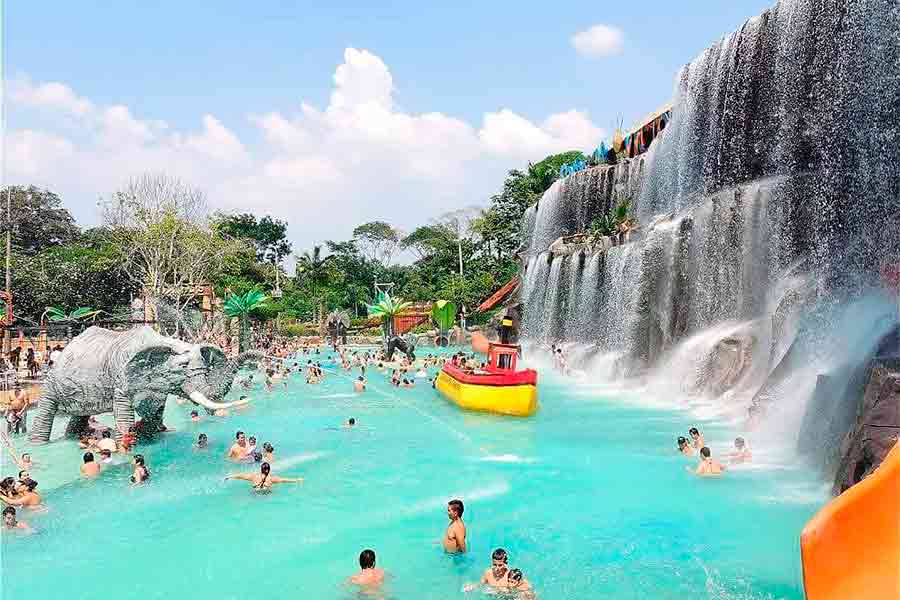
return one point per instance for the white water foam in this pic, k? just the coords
(507, 458)
(494, 490)
(283, 463)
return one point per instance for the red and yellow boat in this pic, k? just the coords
(496, 388)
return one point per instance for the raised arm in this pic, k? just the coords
(13, 501)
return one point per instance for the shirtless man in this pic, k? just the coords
(26, 497)
(359, 385)
(368, 574)
(11, 523)
(495, 576)
(15, 413)
(455, 537)
(264, 479)
(741, 452)
(90, 468)
(707, 466)
(238, 450)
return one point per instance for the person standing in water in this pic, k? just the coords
(359, 385)
(238, 450)
(141, 473)
(90, 468)
(455, 537)
(708, 466)
(264, 480)
(684, 447)
(741, 452)
(369, 574)
(10, 523)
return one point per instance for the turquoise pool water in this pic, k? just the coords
(588, 497)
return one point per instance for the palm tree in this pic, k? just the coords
(58, 315)
(312, 267)
(386, 308)
(241, 306)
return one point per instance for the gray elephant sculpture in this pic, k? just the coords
(132, 373)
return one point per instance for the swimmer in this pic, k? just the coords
(106, 442)
(202, 441)
(264, 479)
(251, 446)
(516, 582)
(26, 496)
(268, 454)
(11, 523)
(195, 416)
(243, 402)
(697, 438)
(684, 447)
(368, 574)
(351, 422)
(708, 466)
(25, 462)
(455, 537)
(742, 452)
(141, 472)
(105, 457)
(359, 385)
(495, 576)
(90, 468)
(238, 450)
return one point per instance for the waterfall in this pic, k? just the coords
(773, 192)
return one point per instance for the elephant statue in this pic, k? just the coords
(398, 343)
(132, 373)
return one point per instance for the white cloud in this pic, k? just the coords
(324, 170)
(598, 41)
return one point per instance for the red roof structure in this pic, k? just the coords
(499, 296)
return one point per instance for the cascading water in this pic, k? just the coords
(773, 190)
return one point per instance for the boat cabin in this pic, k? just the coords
(502, 357)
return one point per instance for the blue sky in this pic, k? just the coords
(436, 100)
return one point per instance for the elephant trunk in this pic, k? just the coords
(201, 399)
(220, 381)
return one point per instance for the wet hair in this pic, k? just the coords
(20, 473)
(202, 437)
(367, 559)
(194, 413)
(105, 453)
(252, 438)
(704, 452)
(238, 434)
(139, 459)
(88, 457)
(693, 431)
(515, 575)
(739, 442)
(106, 433)
(682, 442)
(24, 454)
(268, 447)
(9, 510)
(351, 421)
(457, 506)
(257, 456)
(30, 484)
(8, 483)
(500, 554)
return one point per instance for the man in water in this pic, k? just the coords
(263, 480)
(368, 574)
(351, 422)
(105, 457)
(195, 416)
(495, 576)
(26, 497)
(684, 447)
(742, 452)
(707, 466)
(106, 442)
(202, 441)
(238, 450)
(455, 537)
(11, 523)
(359, 385)
(90, 468)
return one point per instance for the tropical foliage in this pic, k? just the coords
(241, 306)
(385, 309)
(57, 315)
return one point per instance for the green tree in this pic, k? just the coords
(38, 219)
(312, 268)
(386, 308)
(378, 239)
(267, 235)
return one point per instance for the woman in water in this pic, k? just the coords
(263, 480)
(684, 447)
(268, 454)
(141, 472)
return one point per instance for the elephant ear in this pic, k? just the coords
(213, 356)
(151, 372)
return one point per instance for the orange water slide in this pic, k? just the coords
(851, 548)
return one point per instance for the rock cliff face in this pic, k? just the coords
(772, 196)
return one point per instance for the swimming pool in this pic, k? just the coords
(588, 497)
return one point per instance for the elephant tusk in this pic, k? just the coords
(202, 400)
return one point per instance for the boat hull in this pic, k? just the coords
(517, 399)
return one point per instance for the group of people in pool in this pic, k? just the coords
(708, 466)
(496, 578)
(19, 492)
